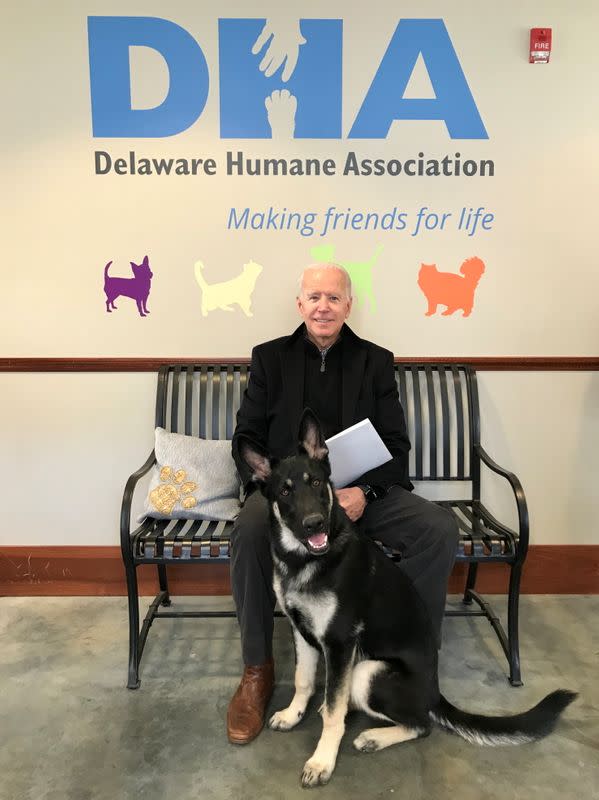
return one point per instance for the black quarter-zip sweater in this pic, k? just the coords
(278, 391)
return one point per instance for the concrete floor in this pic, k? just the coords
(70, 730)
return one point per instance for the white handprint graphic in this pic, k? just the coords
(283, 48)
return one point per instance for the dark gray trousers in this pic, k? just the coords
(424, 533)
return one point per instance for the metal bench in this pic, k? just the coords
(440, 402)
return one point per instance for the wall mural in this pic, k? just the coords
(296, 54)
(281, 47)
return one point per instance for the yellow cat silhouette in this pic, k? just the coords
(236, 290)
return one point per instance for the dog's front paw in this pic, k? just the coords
(285, 720)
(365, 743)
(316, 773)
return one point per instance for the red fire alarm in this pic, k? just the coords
(540, 45)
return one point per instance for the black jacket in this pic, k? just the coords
(272, 404)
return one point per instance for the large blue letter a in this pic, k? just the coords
(453, 100)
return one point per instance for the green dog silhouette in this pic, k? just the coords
(360, 272)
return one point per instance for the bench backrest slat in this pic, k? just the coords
(459, 418)
(444, 419)
(432, 416)
(203, 406)
(440, 402)
(188, 399)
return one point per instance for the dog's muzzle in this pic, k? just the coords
(317, 541)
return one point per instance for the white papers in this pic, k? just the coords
(354, 451)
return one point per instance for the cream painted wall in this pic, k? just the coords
(69, 442)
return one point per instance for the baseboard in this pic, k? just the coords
(98, 571)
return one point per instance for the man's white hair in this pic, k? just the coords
(326, 265)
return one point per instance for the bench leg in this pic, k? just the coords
(163, 581)
(133, 598)
(470, 582)
(512, 625)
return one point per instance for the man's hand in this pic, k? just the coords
(352, 501)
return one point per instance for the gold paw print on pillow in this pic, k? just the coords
(173, 489)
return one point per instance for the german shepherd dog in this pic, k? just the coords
(347, 600)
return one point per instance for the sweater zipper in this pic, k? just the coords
(323, 355)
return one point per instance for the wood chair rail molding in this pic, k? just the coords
(151, 364)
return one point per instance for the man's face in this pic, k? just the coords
(324, 304)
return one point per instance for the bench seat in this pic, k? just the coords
(208, 541)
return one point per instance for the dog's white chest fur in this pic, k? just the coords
(317, 610)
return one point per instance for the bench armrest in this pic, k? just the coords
(521, 504)
(128, 497)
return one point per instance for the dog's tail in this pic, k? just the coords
(197, 268)
(529, 726)
(106, 270)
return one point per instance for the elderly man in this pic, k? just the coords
(343, 379)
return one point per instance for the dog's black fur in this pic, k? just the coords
(347, 600)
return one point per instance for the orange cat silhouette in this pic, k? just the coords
(449, 289)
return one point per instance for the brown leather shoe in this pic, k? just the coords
(245, 716)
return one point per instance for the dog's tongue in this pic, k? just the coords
(318, 540)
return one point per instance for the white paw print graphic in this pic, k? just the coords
(280, 108)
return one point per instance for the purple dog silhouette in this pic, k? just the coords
(138, 287)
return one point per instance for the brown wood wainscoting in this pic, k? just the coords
(55, 571)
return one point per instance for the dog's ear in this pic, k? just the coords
(311, 440)
(145, 261)
(256, 458)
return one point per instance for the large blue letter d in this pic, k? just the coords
(110, 81)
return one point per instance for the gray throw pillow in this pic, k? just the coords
(193, 479)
